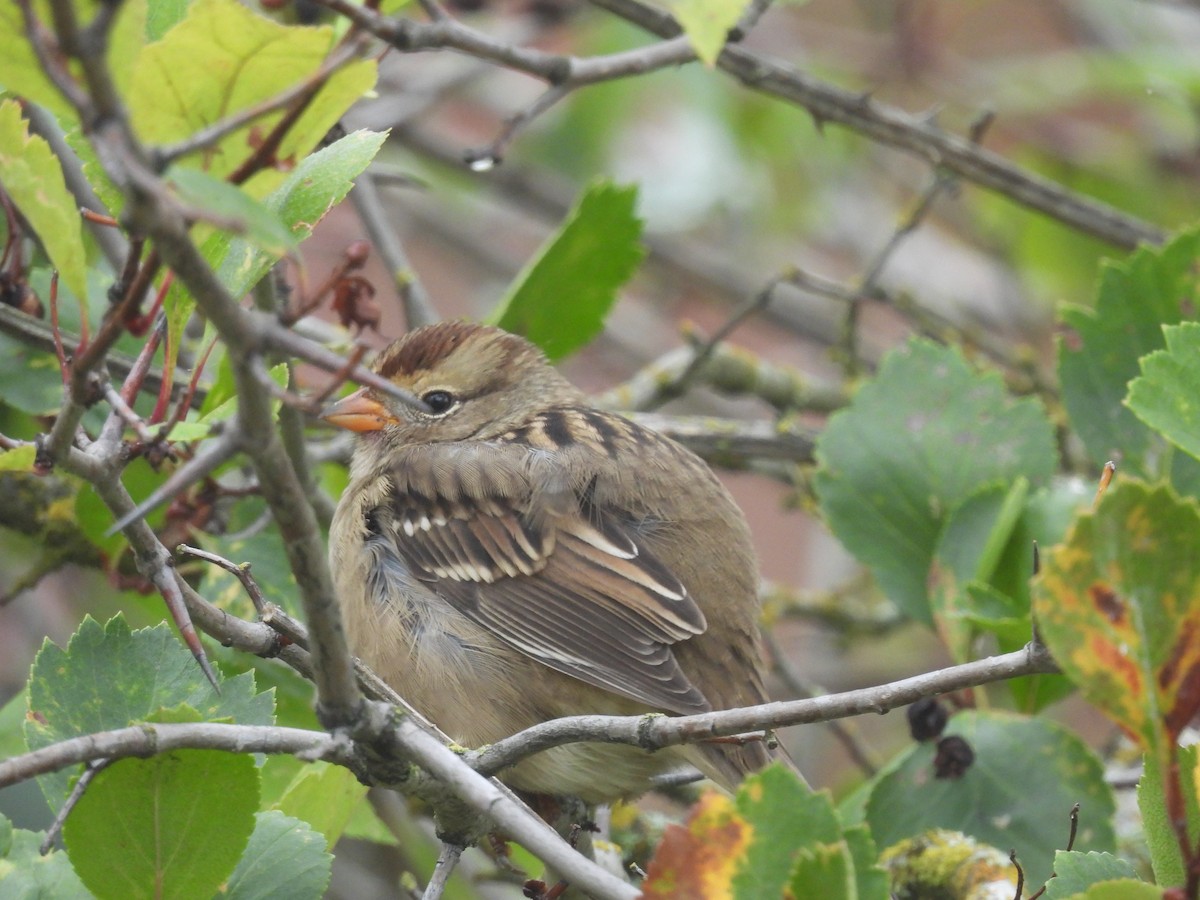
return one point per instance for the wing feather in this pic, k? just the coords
(547, 572)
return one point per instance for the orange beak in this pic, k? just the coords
(358, 412)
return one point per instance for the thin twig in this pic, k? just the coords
(90, 771)
(38, 334)
(893, 127)
(941, 183)
(447, 860)
(703, 351)
(1012, 858)
(241, 571)
(127, 415)
(845, 732)
(210, 455)
(413, 297)
(217, 131)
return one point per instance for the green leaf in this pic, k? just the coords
(315, 186)
(263, 550)
(23, 75)
(1099, 349)
(30, 379)
(560, 299)
(203, 425)
(165, 15)
(126, 40)
(784, 817)
(25, 874)
(285, 858)
(1045, 519)
(1074, 872)
(1018, 793)
(967, 554)
(228, 202)
(1156, 822)
(1118, 605)
(825, 871)
(924, 435)
(110, 196)
(33, 178)
(12, 715)
(222, 59)
(171, 826)
(982, 532)
(324, 796)
(1124, 889)
(20, 71)
(869, 876)
(1166, 394)
(707, 24)
(778, 834)
(110, 677)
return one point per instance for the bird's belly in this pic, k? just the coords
(479, 690)
(450, 670)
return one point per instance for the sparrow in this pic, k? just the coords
(505, 554)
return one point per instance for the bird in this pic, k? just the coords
(505, 553)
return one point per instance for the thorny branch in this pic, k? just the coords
(825, 102)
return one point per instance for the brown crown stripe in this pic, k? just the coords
(428, 346)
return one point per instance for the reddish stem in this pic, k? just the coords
(133, 382)
(138, 324)
(98, 218)
(185, 402)
(164, 389)
(59, 350)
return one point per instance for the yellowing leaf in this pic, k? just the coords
(699, 860)
(1119, 607)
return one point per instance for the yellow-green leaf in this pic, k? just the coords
(33, 178)
(707, 24)
(19, 459)
(21, 73)
(222, 59)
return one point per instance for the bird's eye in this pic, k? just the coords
(438, 401)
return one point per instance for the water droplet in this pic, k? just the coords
(484, 162)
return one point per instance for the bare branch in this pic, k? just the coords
(656, 731)
(150, 738)
(732, 443)
(417, 307)
(895, 128)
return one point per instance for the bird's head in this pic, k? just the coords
(470, 382)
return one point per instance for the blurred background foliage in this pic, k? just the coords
(735, 190)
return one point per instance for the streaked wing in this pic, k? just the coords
(567, 584)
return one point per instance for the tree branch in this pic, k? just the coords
(653, 732)
(890, 126)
